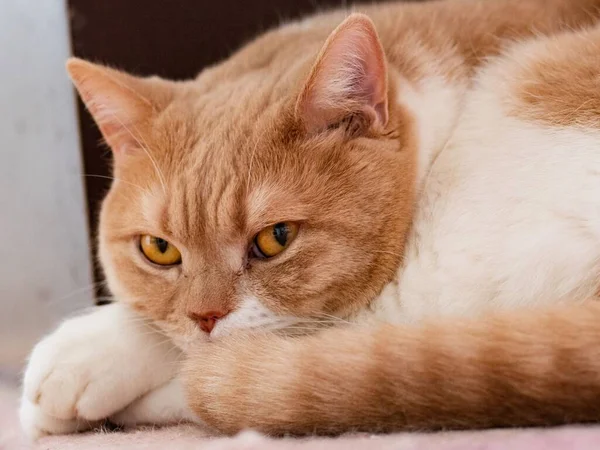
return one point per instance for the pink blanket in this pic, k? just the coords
(182, 438)
(185, 437)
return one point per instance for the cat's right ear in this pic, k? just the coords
(121, 104)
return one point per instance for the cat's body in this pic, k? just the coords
(519, 177)
(503, 157)
(509, 219)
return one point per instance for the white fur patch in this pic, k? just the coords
(250, 314)
(436, 106)
(385, 308)
(83, 371)
(164, 405)
(509, 216)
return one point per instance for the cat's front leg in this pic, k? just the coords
(91, 367)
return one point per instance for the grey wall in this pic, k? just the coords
(44, 257)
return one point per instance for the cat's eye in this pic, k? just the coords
(159, 251)
(274, 239)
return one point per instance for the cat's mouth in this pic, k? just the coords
(282, 325)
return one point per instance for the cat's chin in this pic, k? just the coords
(189, 339)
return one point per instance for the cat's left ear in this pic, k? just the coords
(122, 105)
(348, 81)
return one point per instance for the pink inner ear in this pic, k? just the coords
(115, 118)
(117, 133)
(113, 99)
(350, 77)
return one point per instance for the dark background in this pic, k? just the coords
(174, 39)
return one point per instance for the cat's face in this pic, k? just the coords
(230, 203)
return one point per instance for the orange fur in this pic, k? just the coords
(561, 87)
(512, 369)
(207, 163)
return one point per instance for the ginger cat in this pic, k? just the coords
(277, 191)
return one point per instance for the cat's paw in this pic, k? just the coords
(90, 368)
(164, 405)
(36, 423)
(68, 372)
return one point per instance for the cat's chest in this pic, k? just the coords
(509, 217)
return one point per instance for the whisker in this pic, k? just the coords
(77, 291)
(251, 164)
(333, 318)
(146, 149)
(120, 180)
(161, 343)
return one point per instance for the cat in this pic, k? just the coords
(496, 323)
(277, 191)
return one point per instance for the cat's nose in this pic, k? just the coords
(208, 319)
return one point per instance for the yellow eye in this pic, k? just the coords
(159, 251)
(274, 239)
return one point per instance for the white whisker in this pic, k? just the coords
(77, 291)
(147, 151)
(146, 191)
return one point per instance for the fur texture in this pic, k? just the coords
(508, 219)
(508, 369)
(342, 125)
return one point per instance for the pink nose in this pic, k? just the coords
(207, 320)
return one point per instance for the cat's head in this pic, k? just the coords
(254, 196)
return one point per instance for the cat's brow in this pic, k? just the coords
(146, 151)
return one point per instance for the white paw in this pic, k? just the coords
(90, 368)
(36, 423)
(164, 405)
